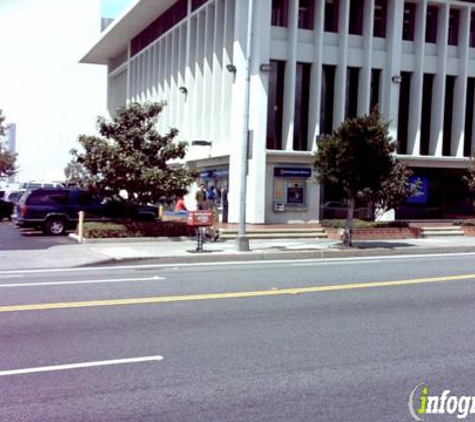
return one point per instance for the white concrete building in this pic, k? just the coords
(43, 89)
(313, 63)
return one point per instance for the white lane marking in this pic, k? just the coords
(62, 283)
(239, 263)
(80, 365)
(319, 264)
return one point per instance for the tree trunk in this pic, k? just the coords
(349, 223)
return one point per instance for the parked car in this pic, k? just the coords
(338, 210)
(56, 210)
(14, 195)
(6, 209)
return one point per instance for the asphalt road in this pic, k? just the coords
(282, 341)
(14, 238)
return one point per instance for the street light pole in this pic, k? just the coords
(242, 241)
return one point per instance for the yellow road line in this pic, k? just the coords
(231, 295)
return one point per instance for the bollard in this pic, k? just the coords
(160, 212)
(81, 227)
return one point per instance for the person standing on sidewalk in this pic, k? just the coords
(200, 197)
(224, 204)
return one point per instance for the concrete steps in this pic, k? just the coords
(441, 231)
(276, 233)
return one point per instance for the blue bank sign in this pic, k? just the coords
(422, 195)
(292, 172)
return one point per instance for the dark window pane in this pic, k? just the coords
(380, 18)
(280, 12)
(352, 75)
(403, 115)
(197, 3)
(375, 87)
(85, 198)
(469, 111)
(454, 23)
(472, 30)
(431, 24)
(331, 15)
(448, 114)
(306, 14)
(426, 112)
(409, 21)
(328, 91)
(356, 17)
(171, 17)
(275, 104)
(302, 96)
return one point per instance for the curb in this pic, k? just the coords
(212, 257)
(106, 241)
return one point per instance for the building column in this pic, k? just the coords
(364, 88)
(316, 78)
(288, 118)
(256, 189)
(217, 75)
(256, 181)
(207, 98)
(227, 78)
(438, 100)
(460, 92)
(417, 82)
(341, 70)
(390, 103)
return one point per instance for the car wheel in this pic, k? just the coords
(55, 226)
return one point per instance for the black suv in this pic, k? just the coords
(56, 210)
(6, 209)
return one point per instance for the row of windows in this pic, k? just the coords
(280, 15)
(328, 86)
(171, 17)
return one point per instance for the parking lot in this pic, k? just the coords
(13, 238)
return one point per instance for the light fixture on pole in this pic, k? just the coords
(231, 68)
(183, 90)
(202, 143)
(265, 67)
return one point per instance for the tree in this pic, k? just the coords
(469, 178)
(7, 158)
(76, 174)
(393, 191)
(358, 157)
(131, 156)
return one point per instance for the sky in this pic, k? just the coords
(44, 90)
(113, 8)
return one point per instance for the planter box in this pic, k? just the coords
(377, 233)
(468, 230)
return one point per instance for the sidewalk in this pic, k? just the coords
(128, 251)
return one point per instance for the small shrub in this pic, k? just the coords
(362, 224)
(467, 222)
(137, 229)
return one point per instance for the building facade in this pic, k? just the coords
(279, 73)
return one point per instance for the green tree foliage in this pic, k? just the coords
(76, 174)
(469, 178)
(358, 157)
(7, 158)
(393, 191)
(131, 156)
